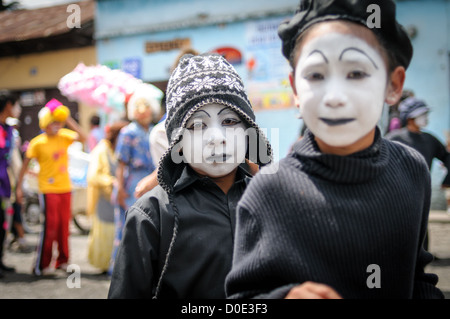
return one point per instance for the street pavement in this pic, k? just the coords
(92, 284)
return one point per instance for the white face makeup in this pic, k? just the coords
(53, 128)
(422, 120)
(341, 86)
(214, 142)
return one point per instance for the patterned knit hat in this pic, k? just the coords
(197, 81)
(392, 35)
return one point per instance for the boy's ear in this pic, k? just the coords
(395, 85)
(294, 89)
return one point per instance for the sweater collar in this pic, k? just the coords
(355, 168)
(189, 177)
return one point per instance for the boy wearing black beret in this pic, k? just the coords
(345, 214)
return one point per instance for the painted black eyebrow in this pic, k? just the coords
(225, 108)
(204, 112)
(360, 51)
(321, 53)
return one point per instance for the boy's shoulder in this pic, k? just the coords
(151, 202)
(149, 208)
(66, 133)
(404, 154)
(270, 175)
(41, 138)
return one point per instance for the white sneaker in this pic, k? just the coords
(63, 266)
(47, 271)
(44, 272)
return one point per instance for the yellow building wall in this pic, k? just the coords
(44, 70)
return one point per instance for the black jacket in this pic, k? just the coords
(202, 252)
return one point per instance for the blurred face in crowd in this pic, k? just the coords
(143, 113)
(16, 110)
(53, 128)
(422, 120)
(341, 83)
(214, 142)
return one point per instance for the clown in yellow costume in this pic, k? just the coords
(50, 150)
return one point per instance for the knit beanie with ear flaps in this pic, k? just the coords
(197, 81)
(392, 35)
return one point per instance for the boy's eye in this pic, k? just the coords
(357, 75)
(230, 122)
(196, 126)
(314, 76)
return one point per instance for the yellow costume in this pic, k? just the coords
(100, 178)
(51, 153)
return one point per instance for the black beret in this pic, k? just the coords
(393, 35)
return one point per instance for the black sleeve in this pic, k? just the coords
(135, 268)
(425, 283)
(443, 155)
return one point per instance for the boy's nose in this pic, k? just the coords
(335, 98)
(215, 136)
(335, 95)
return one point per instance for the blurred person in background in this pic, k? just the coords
(18, 242)
(95, 134)
(133, 153)
(394, 114)
(8, 102)
(100, 179)
(158, 139)
(414, 118)
(50, 150)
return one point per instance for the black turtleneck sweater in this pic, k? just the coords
(327, 218)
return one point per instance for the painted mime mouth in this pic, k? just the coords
(336, 122)
(218, 158)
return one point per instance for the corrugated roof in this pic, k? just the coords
(21, 25)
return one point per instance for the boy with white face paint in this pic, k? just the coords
(214, 143)
(345, 201)
(178, 238)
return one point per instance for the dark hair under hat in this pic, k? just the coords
(390, 33)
